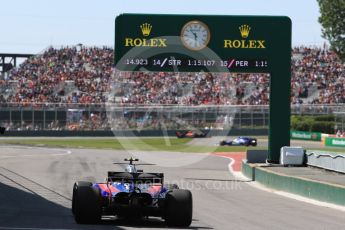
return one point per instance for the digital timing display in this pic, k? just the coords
(231, 63)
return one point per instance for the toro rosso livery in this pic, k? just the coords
(247, 141)
(132, 193)
(191, 133)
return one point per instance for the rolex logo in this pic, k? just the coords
(146, 29)
(244, 29)
(145, 42)
(244, 43)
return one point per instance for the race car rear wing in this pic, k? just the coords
(137, 178)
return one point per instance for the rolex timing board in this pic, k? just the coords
(187, 43)
(231, 63)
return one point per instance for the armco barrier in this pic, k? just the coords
(304, 187)
(327, 160)
(335, 141)
(302, 135)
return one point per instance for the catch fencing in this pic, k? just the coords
(89, 117)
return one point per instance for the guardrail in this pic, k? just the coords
(334, 161)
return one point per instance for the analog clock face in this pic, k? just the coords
(195, 35)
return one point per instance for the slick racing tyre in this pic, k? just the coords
(222, 143)
(86, 203)
(179, 208)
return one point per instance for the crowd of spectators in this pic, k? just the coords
(319, 69)
(84, 75)
(42, 79)
(192, 89)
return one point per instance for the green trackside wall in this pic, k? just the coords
(248, 170)
(308, 188)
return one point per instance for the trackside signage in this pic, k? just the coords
(302, 135)
(337, 142)
(216, 44)
(176, 42)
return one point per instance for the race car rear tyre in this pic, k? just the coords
(86, 203)
(179, 208)
(78, 184)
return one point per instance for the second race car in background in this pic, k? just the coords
(2, 130)
(191, 133)
(245, 141)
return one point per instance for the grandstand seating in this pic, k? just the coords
(85, 75)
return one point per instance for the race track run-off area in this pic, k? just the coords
(36, 190)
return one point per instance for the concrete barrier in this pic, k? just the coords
(320, 191)
(248, 170)
(256, 156)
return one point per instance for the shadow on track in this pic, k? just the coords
(152, 223)
(25, 210)
(21, 209)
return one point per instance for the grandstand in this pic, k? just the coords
(318, 77)
(76, 77)
(85, 75)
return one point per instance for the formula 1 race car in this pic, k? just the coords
(191, 133)
(132, 194)
(246, 141)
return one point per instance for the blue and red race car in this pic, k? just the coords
(245, 141)
(132, 194)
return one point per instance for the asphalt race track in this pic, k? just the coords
(36, 185)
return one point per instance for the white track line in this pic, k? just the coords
(64, 153)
